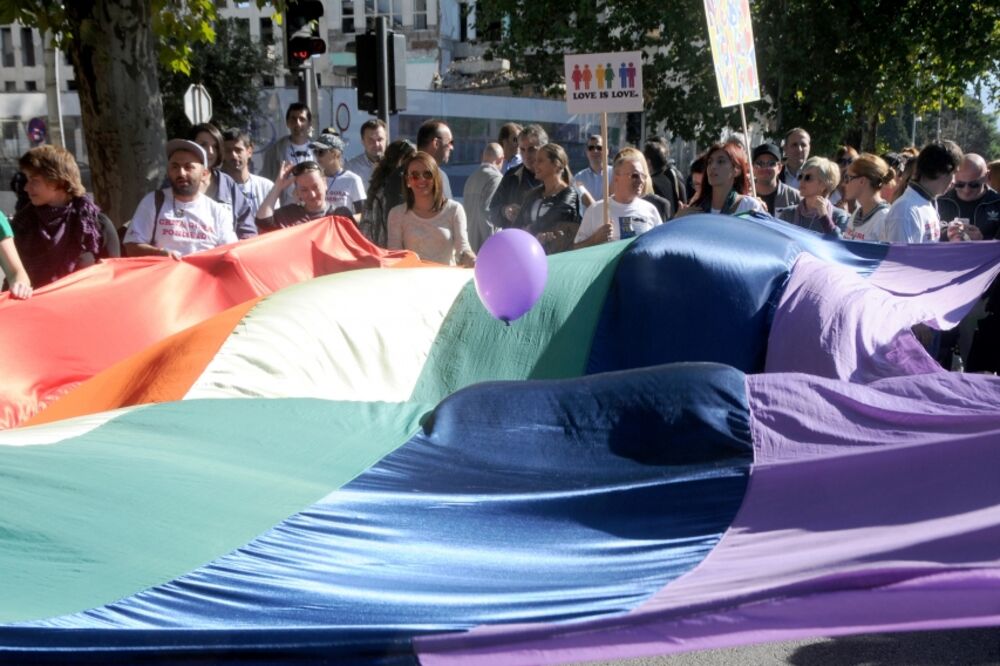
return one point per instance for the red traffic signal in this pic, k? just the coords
(302, 38)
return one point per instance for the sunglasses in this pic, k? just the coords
(637, 176)
(417, 175)
(807, 177)
(972, 184)
(849, 178)
(595, 149)
(765, 165)
(303, 167)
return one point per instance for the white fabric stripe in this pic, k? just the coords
(360, 335)
(60, 431)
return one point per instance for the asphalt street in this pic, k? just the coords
(965, 647)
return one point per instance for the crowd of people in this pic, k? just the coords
(400, 197)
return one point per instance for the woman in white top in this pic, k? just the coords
(724, 185)
(863, 183)
(429, 224)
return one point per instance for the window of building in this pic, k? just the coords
(27, 47)
(266, 31)
(6, 47)
(9, 86)
(420, 14)
(391, 9)
(347, 16)
(71, 85)
(31, 86)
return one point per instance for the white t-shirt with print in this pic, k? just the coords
(182, 226)
(254, 191)
(627, 220)
(345, 189)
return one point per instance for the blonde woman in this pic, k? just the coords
(428, 223)
(863, 184)
(815, 212)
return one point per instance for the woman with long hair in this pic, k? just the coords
(220, 186)
(375, 218)
(844, 157)
(428, 223)
(725, 184)
(61, 230)
(815, 212)
(552, 211)
(863, 184)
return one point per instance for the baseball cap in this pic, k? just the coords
(328, 142)
(190, 146)
(767, 149)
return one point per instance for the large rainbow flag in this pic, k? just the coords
(722, 432)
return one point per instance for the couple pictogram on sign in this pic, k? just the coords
(603, 75)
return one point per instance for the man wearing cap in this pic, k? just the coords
(179, 220)
(345, 190)
(310, 190)
(766, 172)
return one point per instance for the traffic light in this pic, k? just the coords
(302, 38)
(365, 48)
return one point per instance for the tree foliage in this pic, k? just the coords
(227, 67)
(837, 68)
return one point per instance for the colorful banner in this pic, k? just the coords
(608, 82)
(731, 32)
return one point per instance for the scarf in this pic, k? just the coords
(52, 239)
(728, 206)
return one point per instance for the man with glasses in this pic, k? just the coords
(913, 217)
(516, 183)
(767, 168)
(434, 138)
(797, 144)
(590, 178)
(310, 190)
(972, 202)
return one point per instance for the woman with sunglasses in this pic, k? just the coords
(310, 190)
(220, 186)
(863, 184)
(344, 189)
(429, 224)
(844, 157)
(628, 213)
(725, 184)
(815, 212)
(551, 212)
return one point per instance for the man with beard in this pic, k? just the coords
(180, 220)
(373, 137)
(237, 151)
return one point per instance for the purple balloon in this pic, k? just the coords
(511, 270)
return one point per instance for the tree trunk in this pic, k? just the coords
(114, 57)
